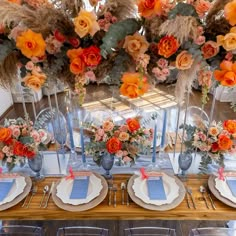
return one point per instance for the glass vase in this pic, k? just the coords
(107, 161)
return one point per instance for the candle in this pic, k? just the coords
(72, 144)
(82, 144)
(163, 135)
(154, 143)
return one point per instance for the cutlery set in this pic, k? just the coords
(34, 189)
(205, 195)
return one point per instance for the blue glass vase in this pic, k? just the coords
(107, 161)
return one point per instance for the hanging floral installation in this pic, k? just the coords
(131, 44)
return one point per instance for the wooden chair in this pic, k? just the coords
(19, 230)
(213, 231)
(149, 231)
(82, 231)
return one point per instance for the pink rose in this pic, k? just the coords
(108, 126)
(5, 149)
(114, 19)
(90, 75)
(162, 63)
(16, 132)
(15, 32)
(124, 136)
(98, 138)
(202, 7)
(200, 40)
(108, 16)
(29, 65)
(200, 30)
(123, 128)
(102, 23)
(35, 135)
(210, 49)
(100, 132)
(166, 72)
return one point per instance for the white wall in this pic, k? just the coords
(5, 100)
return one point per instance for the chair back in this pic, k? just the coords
(149, 231)
(213, 231)
(15, 230)
(82, 231)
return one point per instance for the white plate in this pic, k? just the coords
(65, 186)
(16, 190)
(224, 189)
(76, 137)
(170, 186)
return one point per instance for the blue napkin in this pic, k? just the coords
(231, 181)
(156, 189)
(80, 187)
(5, 187)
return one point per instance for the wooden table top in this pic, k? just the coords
(123, 212)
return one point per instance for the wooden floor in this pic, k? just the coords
(222, 111)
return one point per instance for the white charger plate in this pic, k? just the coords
(171, 189)
(64, 189)
(17, 189)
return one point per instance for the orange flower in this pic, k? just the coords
(228, 42)
(224, 142)
(15, 1)
(18, 149)
(167, 46)
(202, 7)
(92, 56)
(184, 60)
(31, 44)
(85, 23)
(34, 80)
(229, 11)
(209, 49)
(5, 134)
(77, 66)
(149, 8)
(135, 45)
(113, 145)
(133, 124)
(227, 74)
(230, 126)
(134, 85)
(74, 53)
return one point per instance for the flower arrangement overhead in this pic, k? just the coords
(19, 140)
(212, 142)
(131, 44)
(124, 141)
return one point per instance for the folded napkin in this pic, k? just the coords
(156, 189)
(231, 181)
(80, 187)
(5, 187)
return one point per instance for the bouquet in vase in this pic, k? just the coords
(19, 140)
(124, 141)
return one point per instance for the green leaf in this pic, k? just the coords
(183, 9)
(116, 33)
(27, 140)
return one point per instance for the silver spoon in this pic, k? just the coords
(203, 190)
(45, 191)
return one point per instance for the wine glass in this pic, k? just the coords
(35, 165)
(185, 161)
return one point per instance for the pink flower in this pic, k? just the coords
(200, 40)
(166, 72)
(119, 153)
(229, 56)
(108, 16)
(200, 30)
(98, 138)
(16, 31)
(114, 19)
(124, 136)
(16, 132)
(146, 131)
(5, 149)
(1, 155)
(127, 159)
(90, 75)
(53, 46)
(125, 153)
(202, 7)
(202, 136)
(35, 135)
(102, 23)
(100, 132)
(204, 78)
(117, 133)
(162, 63)
(123, 128)
(29, 65)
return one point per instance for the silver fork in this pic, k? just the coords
(114, 190)
(23, 205)
(110, 187)
(34, 191)
(189, 190)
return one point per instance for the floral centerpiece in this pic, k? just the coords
(131, 44)
(124, 141)
(19, 140)
(213, 142)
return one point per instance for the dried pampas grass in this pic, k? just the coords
(8, 70)
(42, 20)
(121, 9)
(151, 26)
(185, 79)
(182, 27)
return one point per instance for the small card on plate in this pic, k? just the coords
(5, 187)
(80, 187)
(156, 189)
(231, 182)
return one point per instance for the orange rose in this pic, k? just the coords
(92, 56)
(34, 80)
(77, 66)
(18, 149)
(184, 60)
(74, 53)
(149, 8)
(229, 12)
(167, 46)
(5, 134)
(134, 85)
(224, 142)
(85, 23)
(227, 74)
(228, 42)
(230, 126)
(135, 45)
(113, 145)
(133, 124)
(15, 1)
(31, 44)
(202, 7)
(209, 49)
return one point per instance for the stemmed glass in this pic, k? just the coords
(35, 165)
(185, 161)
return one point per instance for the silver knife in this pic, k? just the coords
(49, 194)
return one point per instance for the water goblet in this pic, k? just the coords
(107, 161)
(185, 161)
(35, 165)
